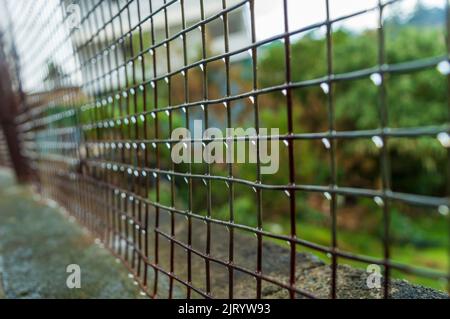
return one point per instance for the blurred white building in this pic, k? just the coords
(138, 13)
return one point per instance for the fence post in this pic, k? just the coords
(8, 112)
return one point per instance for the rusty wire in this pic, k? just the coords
(4, 153)
(100, 156)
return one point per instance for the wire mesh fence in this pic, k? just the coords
(106, 83)
(4, 154)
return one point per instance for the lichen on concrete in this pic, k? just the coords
(351, 284)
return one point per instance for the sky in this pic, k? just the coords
(306, 12)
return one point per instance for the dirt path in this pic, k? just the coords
(37, 243)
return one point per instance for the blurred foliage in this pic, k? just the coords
(417, 165)
(413, 100)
